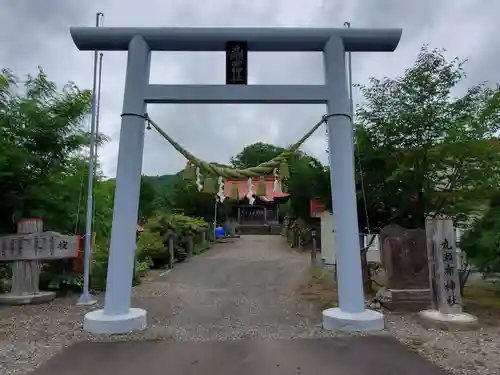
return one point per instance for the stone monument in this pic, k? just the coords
(25, 250)
(446, 311)
(404, 259)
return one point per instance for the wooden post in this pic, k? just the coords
(295, 236)
(171, 251)
(211, 233)
(204, 237)
(190, 245)
(314, 254)
(26, 273)
(443, 266)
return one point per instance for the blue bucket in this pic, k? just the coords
(219, 232)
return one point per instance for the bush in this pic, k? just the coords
(482, 242)
(153, 241)
(151, 245)
(100, 267)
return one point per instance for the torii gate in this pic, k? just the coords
(117, 316)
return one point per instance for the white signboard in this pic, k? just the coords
(45, 245)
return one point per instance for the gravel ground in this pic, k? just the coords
(234, 291)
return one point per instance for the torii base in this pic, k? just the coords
(99, 323)
(367, 321)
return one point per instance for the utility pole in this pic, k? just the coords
(85, 298)
(97, 122)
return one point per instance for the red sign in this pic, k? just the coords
(316, 207)
(78, 262)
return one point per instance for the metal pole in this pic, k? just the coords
(85, 298)
(98, 105)
(98, 111)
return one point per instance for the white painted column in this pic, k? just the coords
(351, 314)
(117, 316)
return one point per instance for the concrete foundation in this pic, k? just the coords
(366, 321)
(28, 299)
(99, 323)
(434, 319)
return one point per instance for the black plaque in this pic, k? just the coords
(236, 63)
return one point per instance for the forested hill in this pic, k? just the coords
(164, 180)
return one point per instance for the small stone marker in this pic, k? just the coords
(25, 250)
(446, 309)
(443, 266)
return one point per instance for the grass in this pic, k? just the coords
(318, 273)
(320, 289)
(486, 296)
(483, 300)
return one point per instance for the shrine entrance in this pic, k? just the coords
(117, 315)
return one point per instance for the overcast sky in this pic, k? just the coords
(36, 33)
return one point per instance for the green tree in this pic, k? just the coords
(255, 154)
(147, 197)
(482, 242)
(191, 202)
(425, 151)
(41, 129)
(43, 166)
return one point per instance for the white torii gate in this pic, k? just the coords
(117, 316)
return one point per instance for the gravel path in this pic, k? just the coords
(237, 290)
(245, 289)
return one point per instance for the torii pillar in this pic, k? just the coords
(117, 315)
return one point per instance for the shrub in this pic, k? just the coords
(152, 242)
(482, 242)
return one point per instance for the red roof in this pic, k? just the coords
(243, 188)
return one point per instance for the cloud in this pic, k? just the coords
(37, 34)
